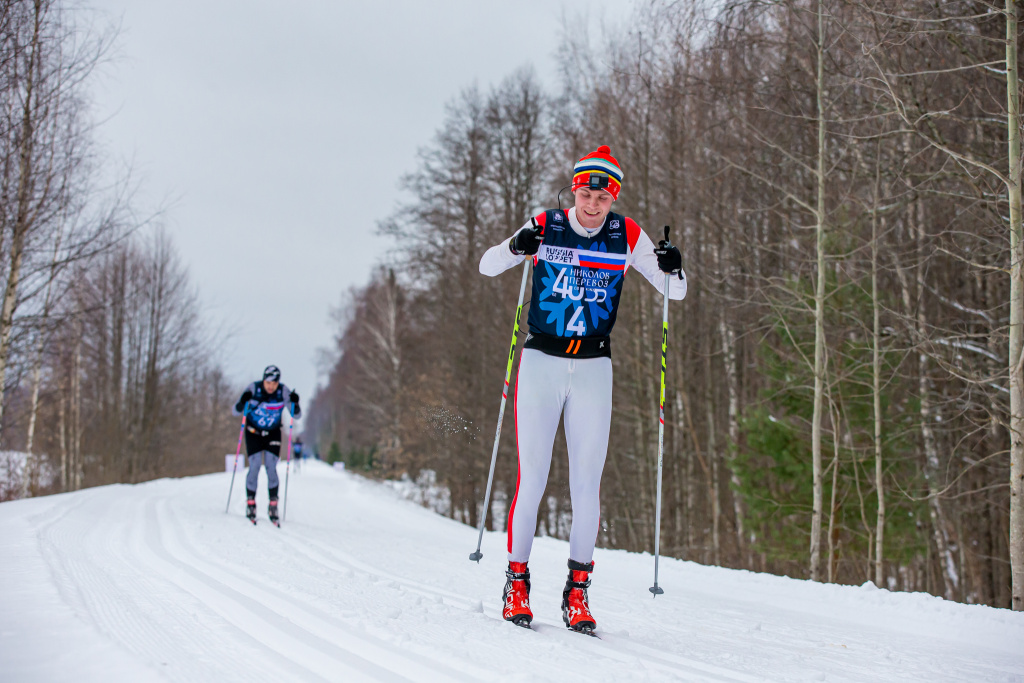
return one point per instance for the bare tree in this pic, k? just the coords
(44, 141)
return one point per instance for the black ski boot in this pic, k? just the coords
(272, 512)
(250, 509)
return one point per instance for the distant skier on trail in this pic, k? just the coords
(297, 452)
(266, 401)
(580, 257)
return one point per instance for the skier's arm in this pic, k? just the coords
(501, 257)
(643, 258)
(246, 395)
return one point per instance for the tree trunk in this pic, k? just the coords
(819, 312)
(716, 485)
(78, 466)
(37, 365)
(691, 484)
(37, 368)
(678, 478)
(1015, 357)
(23, 218)
(63, 436)
(833, 531)
(728, 340)
(940, 528)
(727, 334)
(876, 393)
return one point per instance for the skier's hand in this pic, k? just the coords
(669, 259)
(293, 397)
(246, 395)
(527, 241)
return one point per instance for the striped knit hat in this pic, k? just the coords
(601, 163)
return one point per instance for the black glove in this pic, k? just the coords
(240, 406)
(293, 397)
(527, 241)
(669, 259)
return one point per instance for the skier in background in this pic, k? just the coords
(297, 453)
(265, 401)
(580, 257)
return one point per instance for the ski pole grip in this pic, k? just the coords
(666, 233)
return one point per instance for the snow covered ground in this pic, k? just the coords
(155, 583)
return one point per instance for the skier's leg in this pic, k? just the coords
(253, 478)
(540, 394)
(273, 481)
(251, 481)
(588, 414)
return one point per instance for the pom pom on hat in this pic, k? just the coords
(602, 163)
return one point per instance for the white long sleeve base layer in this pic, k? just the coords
(500, 258)
(583, 387)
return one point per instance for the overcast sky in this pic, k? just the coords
(275, 134)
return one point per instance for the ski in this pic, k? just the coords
(542, 628)
(585, 631)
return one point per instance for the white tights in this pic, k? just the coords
(546, 386)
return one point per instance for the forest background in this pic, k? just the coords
(108, 373)
(844, 377)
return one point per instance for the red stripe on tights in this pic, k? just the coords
(515, 410)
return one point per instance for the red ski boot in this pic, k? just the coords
(516, 595)
(575, 609)
(250, 510)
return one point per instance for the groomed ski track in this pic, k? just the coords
(155, 583)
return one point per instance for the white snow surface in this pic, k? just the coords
(155, 582)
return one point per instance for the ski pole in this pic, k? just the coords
(234, 468)
(655, 589)
(288, 465)
(475, 556)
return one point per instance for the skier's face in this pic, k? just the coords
(270, 385)
(592, 206)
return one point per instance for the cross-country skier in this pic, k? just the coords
(266, 401)
(297, 452)
(580, 258)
